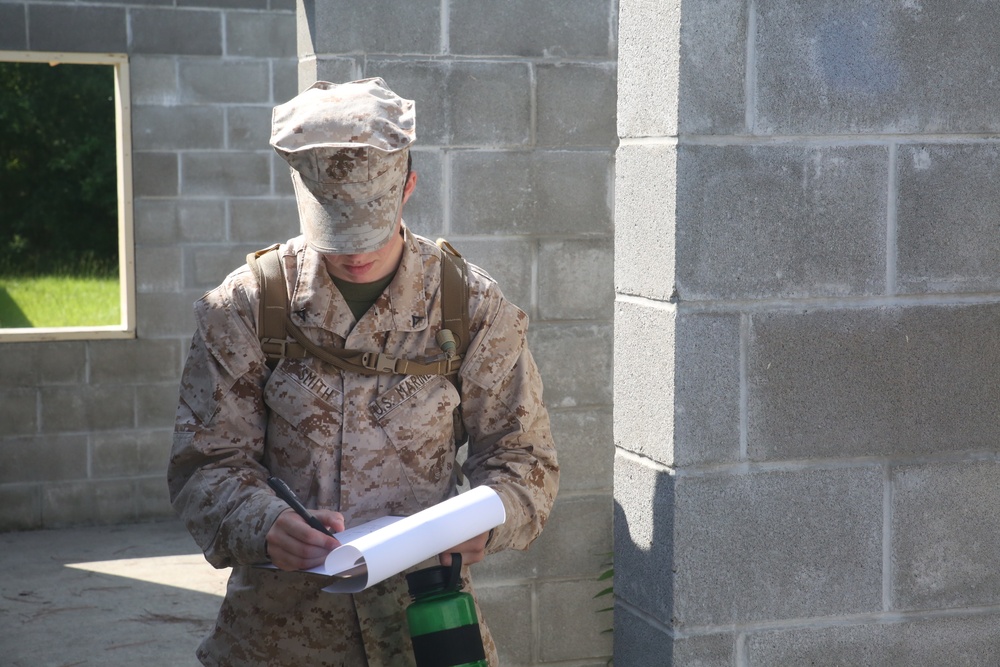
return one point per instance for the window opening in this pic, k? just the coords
(66, 245)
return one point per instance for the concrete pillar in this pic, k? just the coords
(807, 290)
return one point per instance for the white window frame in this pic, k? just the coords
(126, 239)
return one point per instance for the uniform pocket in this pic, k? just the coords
(305, 402)
(418, 418)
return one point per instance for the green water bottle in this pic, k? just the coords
(442, 619)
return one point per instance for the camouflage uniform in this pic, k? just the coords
(365, 446)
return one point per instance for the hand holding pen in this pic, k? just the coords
(295, 544)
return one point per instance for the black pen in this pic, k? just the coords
(286, 494)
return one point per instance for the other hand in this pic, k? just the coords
(472, 551)
(293, 544)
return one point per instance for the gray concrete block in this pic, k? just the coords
(507, 611)
(74, 28)
(263, 221)
(570, 623)
(224, 4)
(43, 458)
(677, 384)
(970, 641)
(156, 128)
(636, 641)
(648, 68)
(164, 314)
(568, 29)
(424, 211)
(88, 502)
(87, 408)
(232, 173)
(248, 127)
(19, 410)
(948, 205)
(576, 279)
(712, 80)
(861, 67)
(156, 404)
(13, 28)
(576, 104)
(118, 363)
(154, 174)
(644, 391)
(879, 382)
(706, 392)
(330, 68)
(207, 266)
(540, 192)
(260, 34)
(176, 32)
(818, 231)
(129, 453)
(575, 363)
(945, 536)
(170, 221)
(584, 445)
(215, 81)
(507, 261)
(390, 26)
(285, 80)
(152, 501)
(644, 541)
(281, 181)
(489, 104)
(158, 269)
(20, 507)
(464, 103)
(774, 545)
(43, 363)
(575, 543)
(645, 223)
(706, 651)
(153, 80)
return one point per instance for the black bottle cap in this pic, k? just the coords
(436, 579)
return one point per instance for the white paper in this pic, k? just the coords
(391, 544)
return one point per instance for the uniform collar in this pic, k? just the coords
(317, 302)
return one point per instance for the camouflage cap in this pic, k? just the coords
(347, 145)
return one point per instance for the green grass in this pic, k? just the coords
(58, 301)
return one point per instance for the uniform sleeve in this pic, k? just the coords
(216, 481)
(510, 441)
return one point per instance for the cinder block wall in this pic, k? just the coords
(516, 139)
(86, 424)
(807, 257)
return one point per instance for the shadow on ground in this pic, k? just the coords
(116, 595)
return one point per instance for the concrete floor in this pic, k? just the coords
(114, 595)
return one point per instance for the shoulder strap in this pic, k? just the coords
(454, 295)
(272, 310)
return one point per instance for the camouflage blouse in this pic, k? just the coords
(362, 445)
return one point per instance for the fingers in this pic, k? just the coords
(293, 544)
(473, 551)
(332, 520)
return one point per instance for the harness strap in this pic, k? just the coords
(454, 295)
(272, 310)
(274, 325)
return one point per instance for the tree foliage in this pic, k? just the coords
(58, 180)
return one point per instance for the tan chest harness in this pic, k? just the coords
(275, 327)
